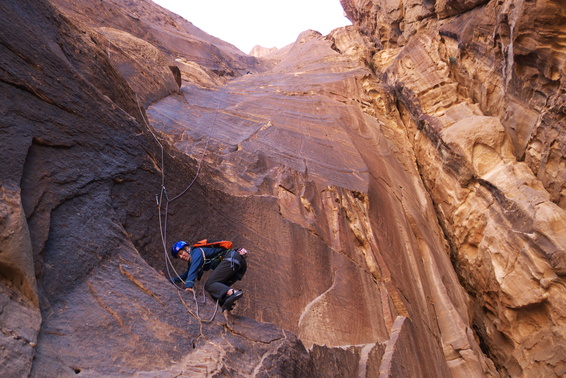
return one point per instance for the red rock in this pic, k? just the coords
(376, 176)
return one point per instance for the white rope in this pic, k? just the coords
(159, 198)
(163, 228)
(198, 307)
(164, 219)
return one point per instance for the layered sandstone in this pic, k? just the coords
(404, 213)
(78, 178)
(482, 96)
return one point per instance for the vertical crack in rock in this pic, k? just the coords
(105, 307)
(137, 282)
(365, 361)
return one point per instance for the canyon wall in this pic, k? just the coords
(399, 184)
(481, 92)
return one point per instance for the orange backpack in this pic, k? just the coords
(213, 243)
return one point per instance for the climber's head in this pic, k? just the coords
(177, 247)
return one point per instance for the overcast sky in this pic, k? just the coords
(268, 23)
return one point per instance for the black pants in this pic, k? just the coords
(218, 282)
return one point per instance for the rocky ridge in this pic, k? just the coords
(405, 215)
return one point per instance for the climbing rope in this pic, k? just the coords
(163, 223)
(204, 302)
(163, 194)
(163, 218)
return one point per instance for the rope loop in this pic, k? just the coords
(163, 218)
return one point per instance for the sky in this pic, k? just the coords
(268, 23)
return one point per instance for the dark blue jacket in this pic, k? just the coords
(200, 260)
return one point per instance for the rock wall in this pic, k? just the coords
(404, 214)
(79, 175)
(483, 106)
(347, 201)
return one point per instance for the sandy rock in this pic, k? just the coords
(511, 249)
(19, 328)
(75, 134)
(398, 183)
(16, 259)
(145, 67)
(332, 196)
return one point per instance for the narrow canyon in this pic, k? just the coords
(400, 184)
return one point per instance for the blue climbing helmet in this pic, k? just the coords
(177, 247)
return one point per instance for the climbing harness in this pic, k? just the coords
(233, 261)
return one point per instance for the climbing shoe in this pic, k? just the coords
(229, 302)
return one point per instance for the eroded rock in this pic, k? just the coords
(399, 192)
(462, 108)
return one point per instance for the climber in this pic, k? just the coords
(231, 269)
(200, 258)
(229, 266)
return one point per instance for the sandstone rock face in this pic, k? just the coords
(488, 135)
(355, 260)
(78, 179)
(483, 39)
(399, 184)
